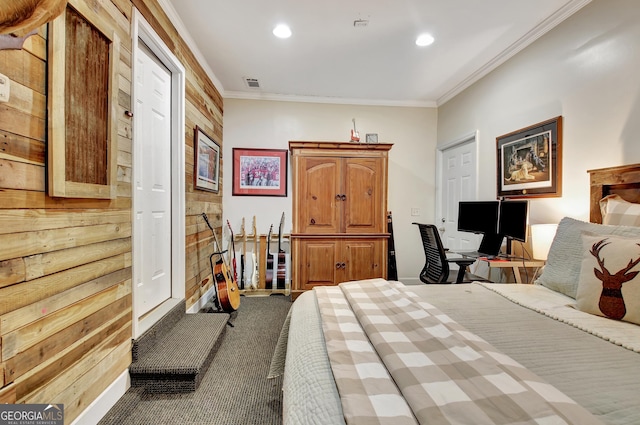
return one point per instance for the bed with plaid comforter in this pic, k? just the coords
(377, 352)
(398, 360)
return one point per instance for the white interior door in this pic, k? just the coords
(152, 185)
(458, 179)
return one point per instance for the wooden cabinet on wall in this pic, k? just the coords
(339, 213)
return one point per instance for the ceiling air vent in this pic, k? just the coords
(252, 83)
(360, 23)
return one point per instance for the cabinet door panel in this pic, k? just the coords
(318, 263)
(319, 185)
(363, 259)
(363, 189)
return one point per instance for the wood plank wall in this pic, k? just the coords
(65, 264)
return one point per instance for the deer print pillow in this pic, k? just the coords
(564, 262)
(609, 283)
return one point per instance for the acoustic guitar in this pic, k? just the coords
(282, 267)
(226, 288)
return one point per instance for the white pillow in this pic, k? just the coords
(618, 212)
(562, 270)
(600, 290)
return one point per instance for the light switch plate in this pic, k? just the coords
(5, 88)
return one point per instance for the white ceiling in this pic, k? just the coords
(328, 59)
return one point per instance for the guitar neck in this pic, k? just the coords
(392, 268)
(269, 240)
(217, 248)
(269, 266)
(281, 268)
(280, 233)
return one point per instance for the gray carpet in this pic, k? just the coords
(234, 390)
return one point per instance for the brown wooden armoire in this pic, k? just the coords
(339, 213)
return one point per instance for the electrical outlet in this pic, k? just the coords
(415, 212)
(5, 88)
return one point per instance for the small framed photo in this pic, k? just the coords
(206, 161)
(260, 172)
(371, 138)
(530, 161)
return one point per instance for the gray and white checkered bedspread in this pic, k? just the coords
(398, 360)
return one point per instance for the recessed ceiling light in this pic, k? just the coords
(424, 40)
(282, 31)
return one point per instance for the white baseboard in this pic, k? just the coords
(411, 281)
(197, 306)
(105, 401)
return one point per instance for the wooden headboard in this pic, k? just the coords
(623, 180)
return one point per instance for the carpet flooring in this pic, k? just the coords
(235, 389)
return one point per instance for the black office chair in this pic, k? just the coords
(436, 268)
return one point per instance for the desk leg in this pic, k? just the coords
(535, 275)
(516, 274)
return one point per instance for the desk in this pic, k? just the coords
(515, 265)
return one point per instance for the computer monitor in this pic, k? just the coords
(513, 219)
(478, 216)
(481, 217)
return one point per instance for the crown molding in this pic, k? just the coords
(173, 16)
(544, 27)
(329, 100)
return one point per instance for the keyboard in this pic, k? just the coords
(476, 254)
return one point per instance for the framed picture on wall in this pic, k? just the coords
(260, 172)
(206, 161)
(529, 161)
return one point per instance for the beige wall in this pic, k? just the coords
(269, 124)
(585, 70)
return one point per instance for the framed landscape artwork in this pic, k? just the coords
(529, 161)
(260, 172)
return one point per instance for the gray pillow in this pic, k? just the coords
(562, 271)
